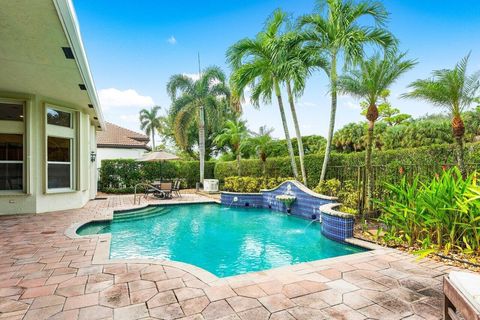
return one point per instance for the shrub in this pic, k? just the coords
(346, 192)
(121, 175)
(443, 214)
(251, 184)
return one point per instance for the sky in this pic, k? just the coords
(134, 47)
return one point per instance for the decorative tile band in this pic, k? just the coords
(309, 205)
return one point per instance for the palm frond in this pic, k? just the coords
(179, 83)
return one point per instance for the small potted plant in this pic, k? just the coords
(287, 200)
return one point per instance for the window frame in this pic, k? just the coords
(16, 128)
(57, 131)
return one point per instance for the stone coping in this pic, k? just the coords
(101, 254)
(328, 209)
(303, 188)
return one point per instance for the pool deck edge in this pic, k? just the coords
(101, 254)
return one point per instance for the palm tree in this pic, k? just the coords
(261, 142)
(233, 135)
(255, 64)
(191, 99)
(369, 82)
(454, 90)
(336, 30)
(296, 66)
(150, 121)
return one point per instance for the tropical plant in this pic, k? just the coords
(443, 214)
(454, 90)
(150, 121)
(233, 135)
(261, 142)
(350, 137)
(335, 30)
(369, 82)
(191, 99)
(386, 112)
(256, 64)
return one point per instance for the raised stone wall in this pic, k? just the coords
(308, 205)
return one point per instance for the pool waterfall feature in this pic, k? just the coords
(335, 225)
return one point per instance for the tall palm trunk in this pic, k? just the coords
(458, 128)
(285, 128)
(239, 168)
(153, 139)
(201, 142)
(368, 165)
(372, 116)
(297, 132)
(460, 158)
(333, 111)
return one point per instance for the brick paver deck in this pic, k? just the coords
(45, 274)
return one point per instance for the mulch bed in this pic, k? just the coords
(369, 232)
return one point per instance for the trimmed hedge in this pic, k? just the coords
(345, 166)
(121, 176)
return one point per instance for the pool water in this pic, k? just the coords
(223, 240)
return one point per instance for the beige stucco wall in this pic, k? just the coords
(36, 198)
(118, 153)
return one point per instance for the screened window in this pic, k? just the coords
(11, 162)
(59, 163)
(59, 118)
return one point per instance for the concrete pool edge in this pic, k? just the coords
(101, 253)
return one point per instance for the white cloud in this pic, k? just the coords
(345, 101)
(306, 104)
(196, 76)
(113, 98)
(172, 40)
(193, 76)
(121, 107)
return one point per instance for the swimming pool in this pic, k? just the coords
(224, 240)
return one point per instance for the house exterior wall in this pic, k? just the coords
(117, 153)
(36, 197)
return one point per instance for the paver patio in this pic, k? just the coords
(46, 274)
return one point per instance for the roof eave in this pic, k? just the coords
(71, 27)
(121, 146)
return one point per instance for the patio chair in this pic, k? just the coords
(176, 187)
(461, 293)
(164, 190)
(153, 187)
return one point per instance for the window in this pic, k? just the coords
(59, 163)
(61, 141)
(59, 118)
(11, 145)
(11, 162)
(11, 111)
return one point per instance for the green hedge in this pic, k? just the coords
(344, 166)
(120, 176)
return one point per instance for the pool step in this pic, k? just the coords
(94, 228)
(142, 217)
(148, 209)
(141, 214)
